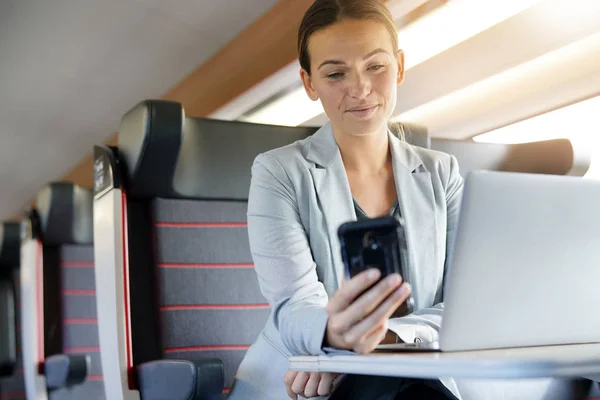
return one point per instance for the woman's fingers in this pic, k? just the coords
(369, 342)
(370, 300)
(311, 387)
(288, 379)
(300, 382)
(308, 384)
(351, 290)
(380, 315)
(341, 325)
(326, 383)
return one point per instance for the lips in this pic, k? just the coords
(362, 108)
(363, 112)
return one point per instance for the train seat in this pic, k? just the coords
(61, 354)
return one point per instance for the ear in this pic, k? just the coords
(308, 85)
(400, 66)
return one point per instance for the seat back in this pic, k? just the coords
(209, 299)
(556, 157)
(62, 307)
(79, 324)
(185, 200)
(12, 385)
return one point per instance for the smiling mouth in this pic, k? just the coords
(362, 109)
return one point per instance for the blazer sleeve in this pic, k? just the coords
(425, 324)
(283, 260)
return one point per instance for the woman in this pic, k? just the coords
(301, 193)
(351, 168)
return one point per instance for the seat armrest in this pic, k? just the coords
(64, 370)
(201, 379)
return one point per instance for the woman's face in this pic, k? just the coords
(355, 72)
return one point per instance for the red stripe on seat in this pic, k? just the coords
(126, 293)
(226, 390)
(95, 378)
(19, 371)
(77, 321)
(89, 349)
(215, 307)
(207, 266)
(206, 348)
(77, 292)
(14, 395)
(39, 277)
(201, 224)
(77, 264)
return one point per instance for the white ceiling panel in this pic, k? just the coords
(69, 69)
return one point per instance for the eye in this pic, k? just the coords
(335, 75)
(376, 67)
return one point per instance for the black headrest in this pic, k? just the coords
(168, 155)
(65, 214)
(10, 245)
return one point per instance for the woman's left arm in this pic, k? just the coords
(425, 324)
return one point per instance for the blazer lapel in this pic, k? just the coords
(416, 201)
(333, 192)
(415, 198)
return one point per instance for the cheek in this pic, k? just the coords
(387, 84)
(331, 95)
(387, 87)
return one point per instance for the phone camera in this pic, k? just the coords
(370, 242)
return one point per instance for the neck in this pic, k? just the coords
(365, 155)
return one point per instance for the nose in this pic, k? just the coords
(359, 86)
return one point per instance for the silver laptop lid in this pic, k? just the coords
(526, 265)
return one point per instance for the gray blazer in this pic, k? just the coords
(299, 196)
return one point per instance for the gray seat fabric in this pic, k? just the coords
(78, 314)
(209, 299)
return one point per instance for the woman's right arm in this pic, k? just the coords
(288, 278)
(283, 261)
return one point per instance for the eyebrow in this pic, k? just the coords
(338, 62)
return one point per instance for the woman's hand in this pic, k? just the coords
(359, 322)
(308, 384)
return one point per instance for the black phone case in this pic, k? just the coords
(379, 243)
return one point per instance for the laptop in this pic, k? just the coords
(525, 268)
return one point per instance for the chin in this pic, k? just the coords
(365, 127)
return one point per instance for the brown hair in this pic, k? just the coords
(323, 13)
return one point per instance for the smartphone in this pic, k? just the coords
(375, 243)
